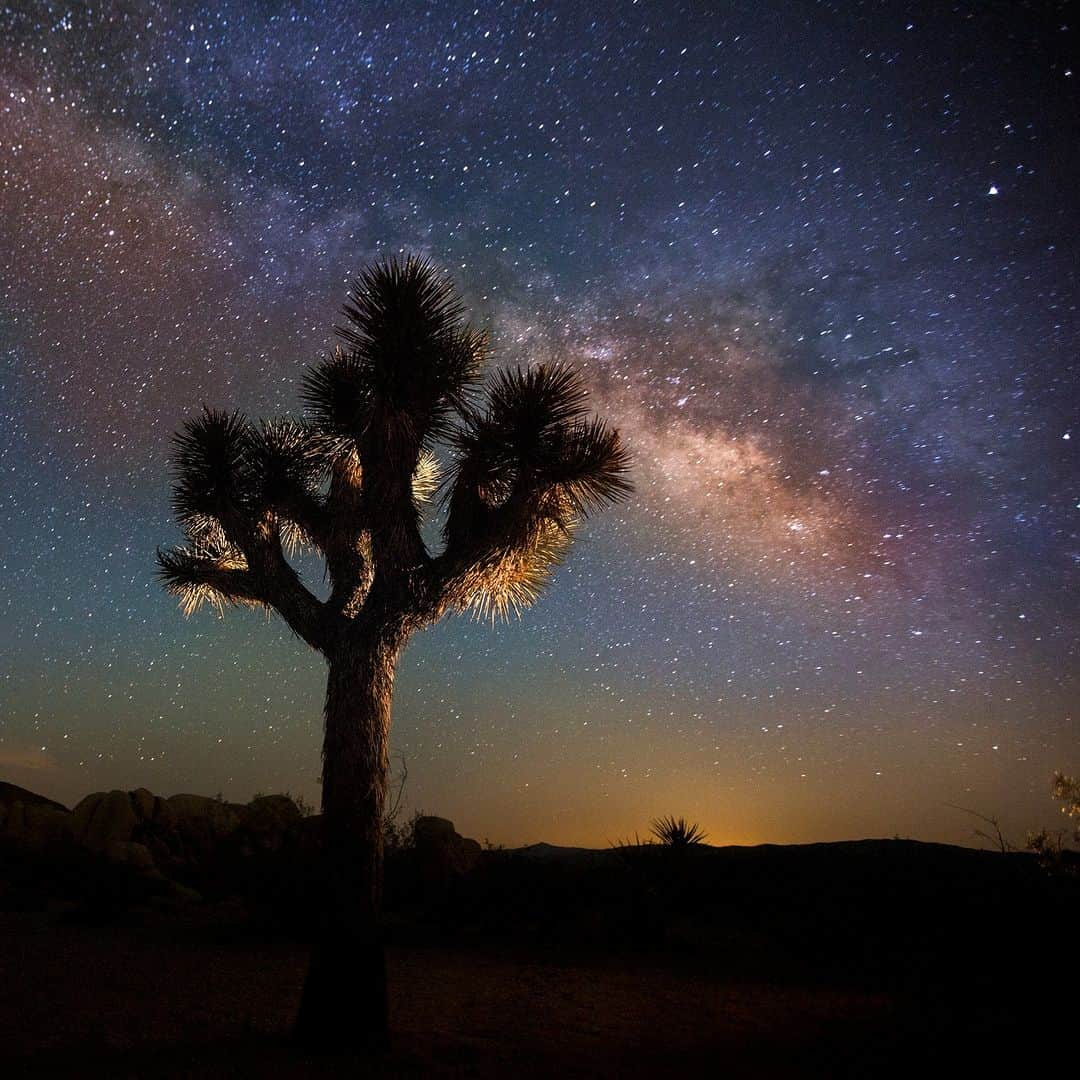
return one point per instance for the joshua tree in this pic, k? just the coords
(353, 482)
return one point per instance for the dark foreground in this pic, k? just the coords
(874, 959)
(173, 1002)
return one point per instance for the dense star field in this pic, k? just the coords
(820, 265)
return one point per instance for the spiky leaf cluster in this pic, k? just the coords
(515, 575)
(408, 359)
(536, 432)
(529, 465)
(226, 467)
(200, 575)
(283, 459)
(209, 455)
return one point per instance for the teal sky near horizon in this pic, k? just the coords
(819, 262)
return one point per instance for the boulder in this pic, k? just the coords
(430, 831)
(12, 793)
(271, 813)
(143, 802)
(34, 823)
(103, 818)
(161, 833)
(29, 818)
(194, 826)
(130, 853)
(181, 826)
(441, 854)
(218, 815)
(144, 830)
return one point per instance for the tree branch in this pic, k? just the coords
(391, 452)
(528, 469)
(347, 543)
(276, 582)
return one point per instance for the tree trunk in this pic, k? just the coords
(344, 1003)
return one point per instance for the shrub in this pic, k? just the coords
(1067, 791)
(401, 835)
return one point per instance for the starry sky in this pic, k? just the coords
(820, 264)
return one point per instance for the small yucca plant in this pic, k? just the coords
(677, 832)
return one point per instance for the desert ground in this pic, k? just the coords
(182, 952)
(177, 1001)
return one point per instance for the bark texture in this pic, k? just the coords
(344, 1003)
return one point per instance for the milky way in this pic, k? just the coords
(820, 263)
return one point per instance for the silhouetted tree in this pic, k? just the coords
(353, 482)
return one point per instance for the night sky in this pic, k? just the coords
(820, 264)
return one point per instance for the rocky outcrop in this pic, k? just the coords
(268, 820)
(143, 829)
(12, 793)
(144, 802)
(192, 826)
(105, 818)
(131, 854)
(194, 838)
(29, 818)
(120, 848)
